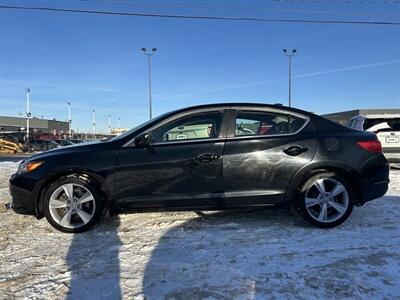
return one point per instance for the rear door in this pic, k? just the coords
(263, 149)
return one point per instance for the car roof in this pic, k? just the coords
(228, 105)
(323, 123)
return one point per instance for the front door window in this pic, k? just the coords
(195, 127)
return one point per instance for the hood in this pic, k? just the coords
(87, 146)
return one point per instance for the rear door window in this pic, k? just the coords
(250, 123)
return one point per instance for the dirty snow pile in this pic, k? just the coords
(220, 255)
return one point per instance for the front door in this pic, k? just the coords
(182, 166)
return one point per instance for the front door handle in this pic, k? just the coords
(205, 157)
(295, 150)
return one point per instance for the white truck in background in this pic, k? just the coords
(387, 129)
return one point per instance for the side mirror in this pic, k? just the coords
(142, 141)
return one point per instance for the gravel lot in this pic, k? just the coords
(233, 255)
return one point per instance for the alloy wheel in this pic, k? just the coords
(326, 200)
(72, 205)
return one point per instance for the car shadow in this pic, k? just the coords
(253, 254)
(171, 270)
(202, 257)
(93, 262)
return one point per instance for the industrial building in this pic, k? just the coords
(36, 125)
(344, 117)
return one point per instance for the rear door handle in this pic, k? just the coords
(205, 157)
(295, 150)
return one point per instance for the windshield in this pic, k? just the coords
(139, 127)
(382, 124)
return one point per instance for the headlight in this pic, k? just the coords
(26, 167)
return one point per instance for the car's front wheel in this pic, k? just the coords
(325, 200)
(72, 204)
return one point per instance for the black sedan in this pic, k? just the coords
(210, 157)
(76, 141)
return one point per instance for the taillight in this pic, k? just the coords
(371, 146)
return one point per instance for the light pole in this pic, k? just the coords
(149, 54)
(289, 53)
(119, 125)
(109, 124)
(69, 119)
(28, 114)
(94, 123)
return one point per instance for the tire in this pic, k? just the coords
(325, 205)
(81, 211)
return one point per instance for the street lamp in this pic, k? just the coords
(149, 54)
(69, 119)
(119, 125)
(94, 122)
(109, 123)
(28, 114)
(289, 53)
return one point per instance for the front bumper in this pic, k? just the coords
(21, 195)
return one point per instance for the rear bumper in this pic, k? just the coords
(375, 182)
(392, 154)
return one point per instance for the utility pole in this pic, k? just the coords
(69, 119)
(290, 53)
(109, 124)
(28, 114)
(149, 54)
(94, 123)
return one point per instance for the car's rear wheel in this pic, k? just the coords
(325, 200)
(72, 204)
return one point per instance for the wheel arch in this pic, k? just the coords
(299, 178)
(95, 179)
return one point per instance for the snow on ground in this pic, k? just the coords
(180, 255)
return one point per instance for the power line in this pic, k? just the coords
(197, 17)
(185, 6)
(390, 2)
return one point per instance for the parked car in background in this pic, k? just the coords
(209, 157)
(387, 129)
(64, 142)
(40, 145)
(76, 141)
